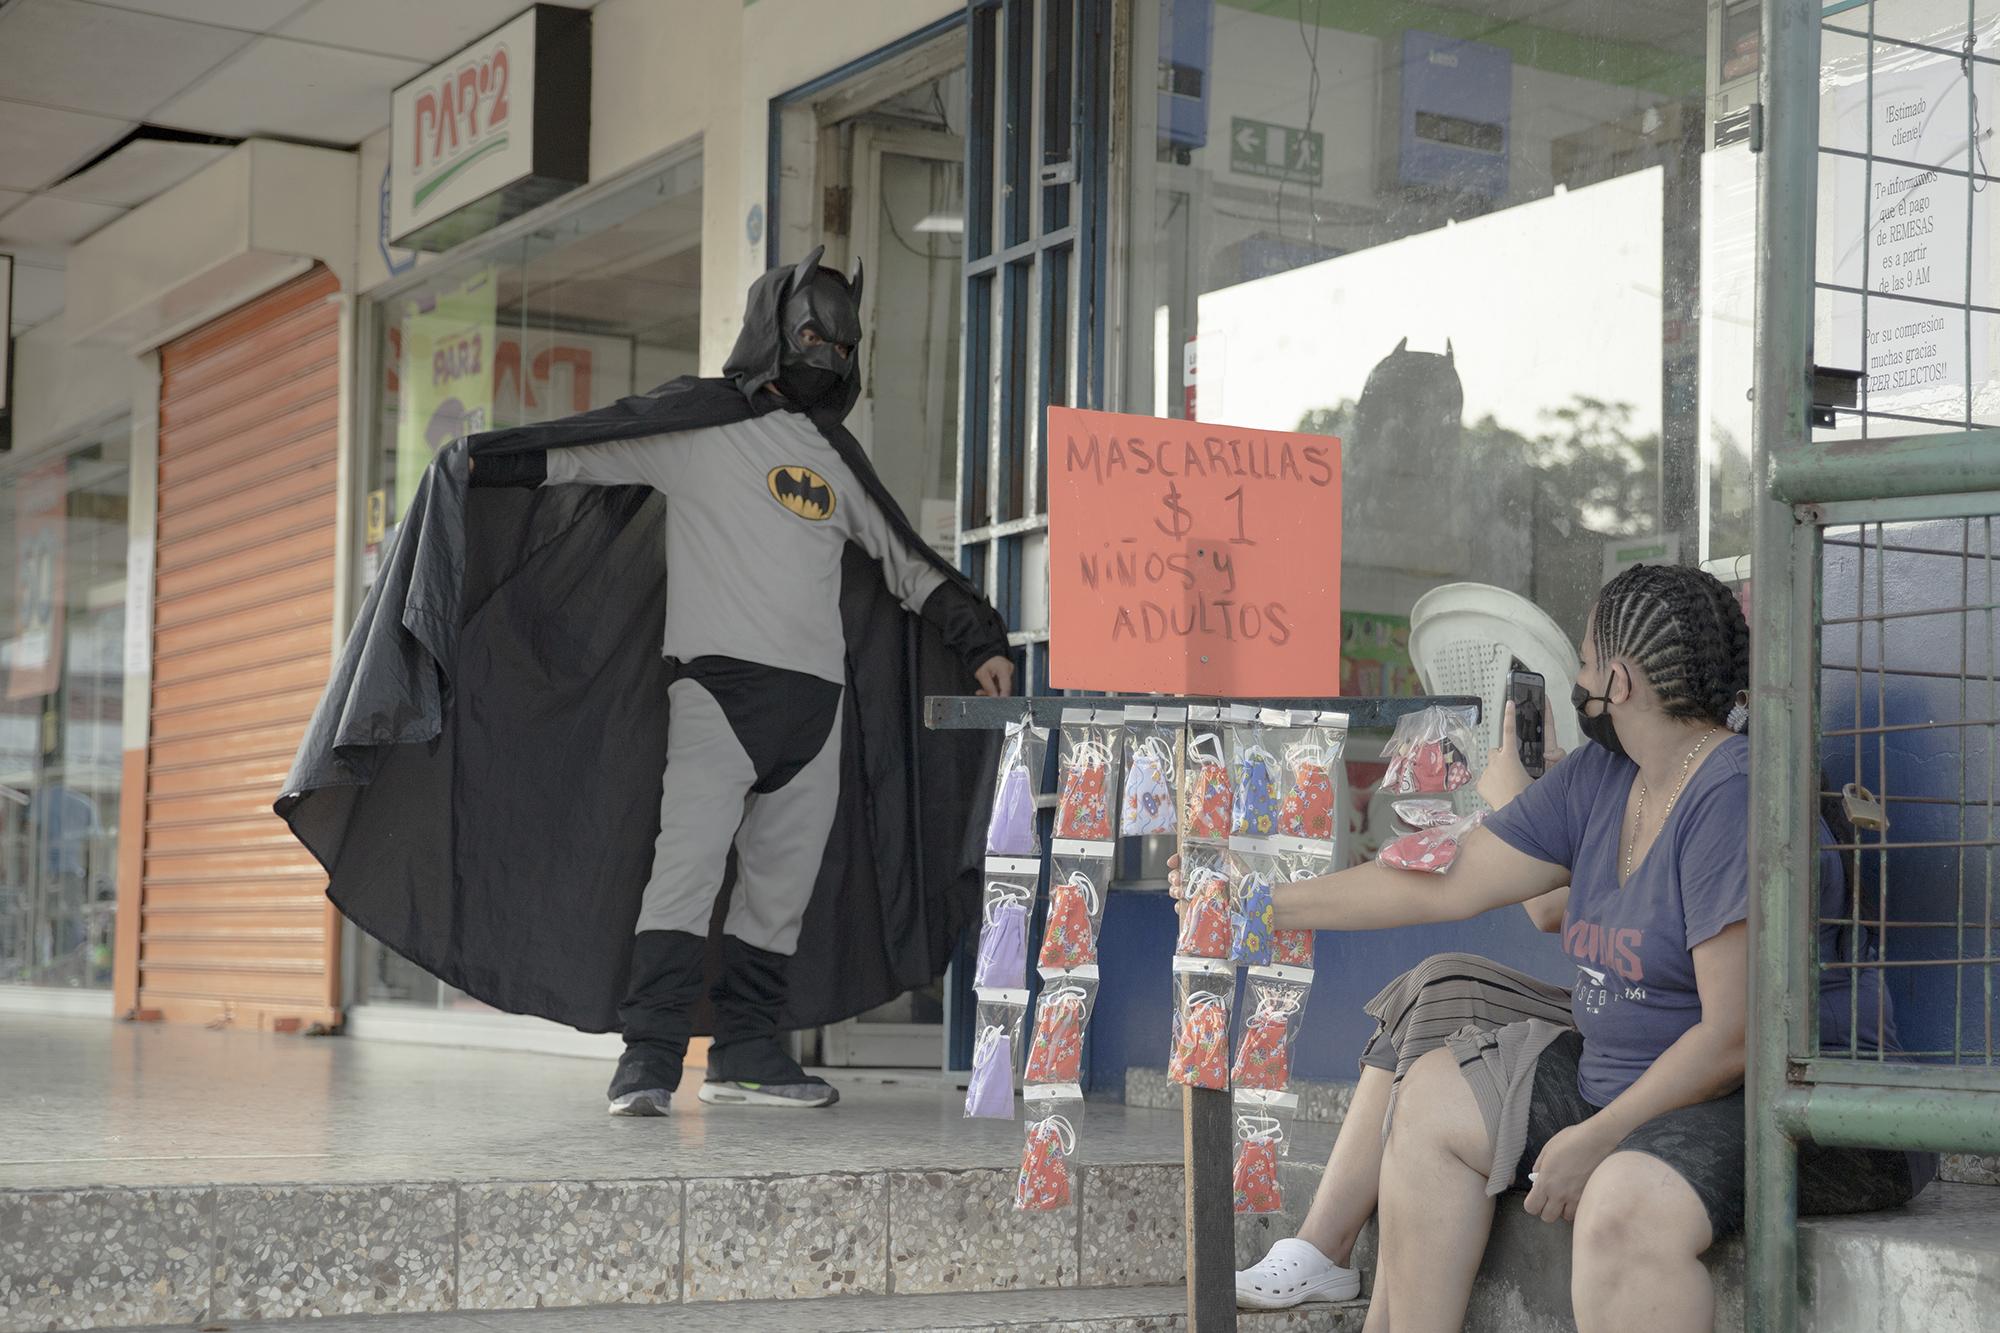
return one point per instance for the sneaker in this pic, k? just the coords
(644, 1083)
(806, 1095)
(647, 1102)
(1292, 1273)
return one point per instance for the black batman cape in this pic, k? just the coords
(482, 777)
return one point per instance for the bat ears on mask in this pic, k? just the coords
(802, 273)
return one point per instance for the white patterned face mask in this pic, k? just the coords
(1149, 797)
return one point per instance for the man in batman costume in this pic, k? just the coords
(482, 779)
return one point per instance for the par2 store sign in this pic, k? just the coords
(495, 130)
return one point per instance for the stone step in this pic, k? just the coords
(1155, 1309)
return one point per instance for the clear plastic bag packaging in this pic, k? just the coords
(1043, 1185)
(1424, 813)
(1076, 911)
(1203, 989)
(1298, 859)
(1429, 751)
(1253, 771)
(1207, 930)
(1010, 828)
(1253, 868)
(1431, 850)
(1007, 900)
(1310, 758)
(1206, 807)
(1262, 1122)
(1062, 1011)
(1152, 771)
(1274, 1002)
(996, 1050)
(1087, 790)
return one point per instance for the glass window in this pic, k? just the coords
(572, 313)
(63, 526)
(1467, 243)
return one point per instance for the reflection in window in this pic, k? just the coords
(62, 614)
(574, 313)
(1468, 245)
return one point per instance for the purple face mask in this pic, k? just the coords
(1003, 946)
(989, 1093)
(1011, 830)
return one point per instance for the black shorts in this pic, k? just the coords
(1704, 1144)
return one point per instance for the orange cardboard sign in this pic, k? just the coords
(1189, 558)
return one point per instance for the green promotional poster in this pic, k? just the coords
(447, 374)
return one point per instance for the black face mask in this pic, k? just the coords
(1598, 729)
(829, 306)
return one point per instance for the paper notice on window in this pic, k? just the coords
(1898, 224)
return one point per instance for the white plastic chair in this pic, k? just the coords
(1464, 638)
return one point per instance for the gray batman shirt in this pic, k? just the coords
(758, 512)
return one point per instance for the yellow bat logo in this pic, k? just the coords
(803, 491)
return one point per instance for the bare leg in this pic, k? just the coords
(1435, 1213)
(1640, 1233)
(1345, 1199)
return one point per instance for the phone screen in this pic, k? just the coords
(1530, 695)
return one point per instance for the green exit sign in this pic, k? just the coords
(1276, 152)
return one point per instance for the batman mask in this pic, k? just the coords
(795, 325)
(821, 324)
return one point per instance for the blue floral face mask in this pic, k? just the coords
(1257, 794)
(1251, 922)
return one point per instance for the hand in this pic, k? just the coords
(1562, 1171)
(996, 677)
(1175, 886)
(1505, 776)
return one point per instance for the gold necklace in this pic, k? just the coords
(1639, 811)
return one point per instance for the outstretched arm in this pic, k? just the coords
(972, 628)
(1371, 896)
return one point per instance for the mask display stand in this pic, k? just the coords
(1207, 1115)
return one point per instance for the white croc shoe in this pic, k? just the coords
(1292, 1273)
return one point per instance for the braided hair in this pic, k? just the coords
(1684, 629)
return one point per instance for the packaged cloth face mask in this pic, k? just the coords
(1083, 812)
(1208, 804)
(1292, 948)
(1257, 793)
(1043, 1185)
(1149, 797)
(1057, 1053)
(1432, 849)
(1206, 930)
(1251, 932)
(1428, 752)
(1003, 940)
(1201, 1042)
(989, 1093)
(1308, 808)
(1256, 1175)
(1067, 940)
(1011, 830)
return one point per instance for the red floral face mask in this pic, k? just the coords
(1256, 1176)
(1057, 1054)
(1263, 1059)
(1206, 930)
(1043, 1185)
(1308, 808)
(1083, 811)
(1067, 941)
(1207, 813)
(1201, 1043)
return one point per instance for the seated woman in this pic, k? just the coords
(1631, 1123)
(1414, 1014)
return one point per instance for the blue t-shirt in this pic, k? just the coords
(1634, 993)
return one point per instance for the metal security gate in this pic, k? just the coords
(1873, 639)
(234, 924)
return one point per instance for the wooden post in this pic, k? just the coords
(1211, 1211)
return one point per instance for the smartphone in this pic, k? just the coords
(1531, 707)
